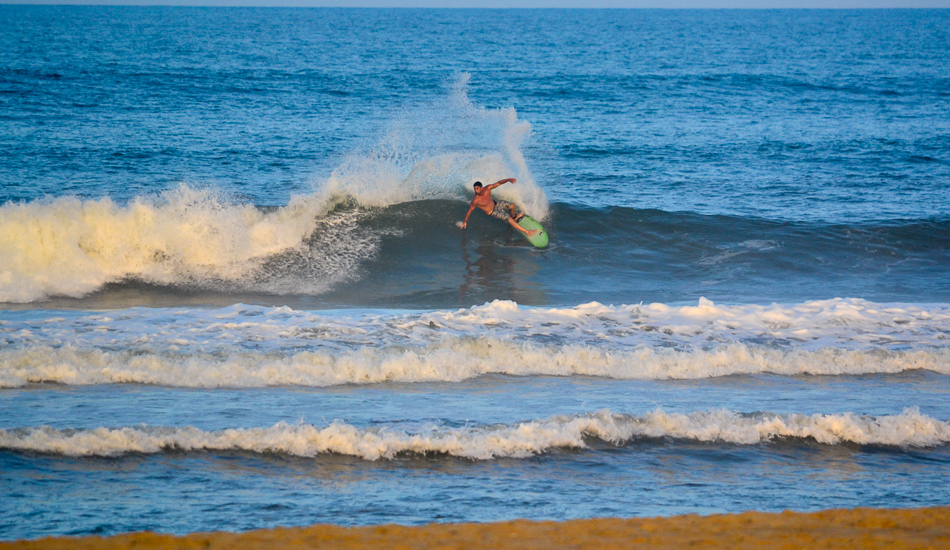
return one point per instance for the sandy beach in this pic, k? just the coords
(852, 529)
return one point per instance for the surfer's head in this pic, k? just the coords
(477, 186)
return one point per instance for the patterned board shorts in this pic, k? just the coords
(502, 212)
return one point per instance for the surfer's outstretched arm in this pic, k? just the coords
(497, 183)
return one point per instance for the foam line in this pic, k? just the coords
(251, 346)
(908, 429)
(450, 361)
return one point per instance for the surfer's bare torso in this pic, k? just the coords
(502, 210)
(484, 201)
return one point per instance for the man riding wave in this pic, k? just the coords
(503, 210)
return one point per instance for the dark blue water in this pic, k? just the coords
(234, 294)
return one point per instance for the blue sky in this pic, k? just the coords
(525, 3)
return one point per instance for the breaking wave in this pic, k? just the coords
(454, 360)
(198, 238)
(908, 429)
(252, 346)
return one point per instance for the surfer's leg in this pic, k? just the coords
(506, 211)
(523, 230)
(517, 215)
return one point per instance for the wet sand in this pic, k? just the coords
(840, 529)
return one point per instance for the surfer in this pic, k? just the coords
(503, 210)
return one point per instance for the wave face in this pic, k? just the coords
(251, 346)
(908, 429)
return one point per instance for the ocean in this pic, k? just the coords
(235, 293)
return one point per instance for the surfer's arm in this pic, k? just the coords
(467, 214)
(497, 183)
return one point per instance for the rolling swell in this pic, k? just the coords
(626, 255)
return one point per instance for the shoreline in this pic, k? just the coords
(857, 528)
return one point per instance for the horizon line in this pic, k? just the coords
(291, 4)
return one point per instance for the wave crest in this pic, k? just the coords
(452, 360)
(908, 429)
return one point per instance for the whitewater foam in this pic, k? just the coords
(252, 346)
(837, 323)
(450, 361)
(908, 429)
(71, 247)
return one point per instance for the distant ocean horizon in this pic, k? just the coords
(234, 293)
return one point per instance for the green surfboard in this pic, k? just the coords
(539, 239)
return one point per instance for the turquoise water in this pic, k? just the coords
(233, 293)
